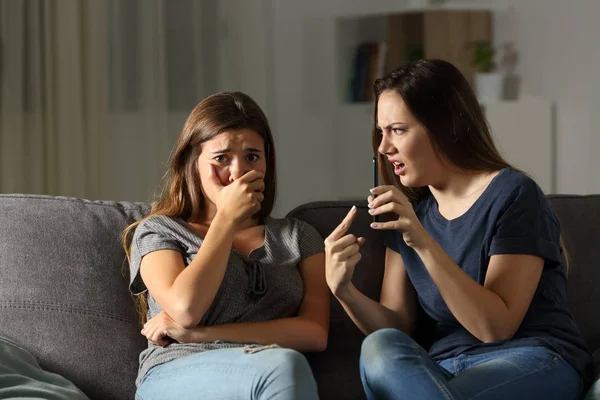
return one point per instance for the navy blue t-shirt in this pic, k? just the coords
(512, 216)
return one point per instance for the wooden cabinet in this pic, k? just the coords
(395, 38)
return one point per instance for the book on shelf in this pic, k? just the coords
(369, 64)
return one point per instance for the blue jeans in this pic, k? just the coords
(594, 392)
(394, 366)
(281, 374)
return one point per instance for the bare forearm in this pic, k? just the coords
(482, 312)
(370, 315)
(195, 288)
(295, 333)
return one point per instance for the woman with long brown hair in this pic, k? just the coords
(472, 242)
(229, 296)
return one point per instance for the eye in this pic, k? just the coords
(398, 131)
(220, 158)
(253, 157)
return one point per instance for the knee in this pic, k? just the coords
(381, 348)
(290, 362)
(290, 369)
(380, 342)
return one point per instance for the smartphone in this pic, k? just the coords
(375, 182)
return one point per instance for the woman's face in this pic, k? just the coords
(231, 155)
(405, 142)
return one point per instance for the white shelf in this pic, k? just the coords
(363, 8)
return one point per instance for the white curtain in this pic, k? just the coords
(93, 93)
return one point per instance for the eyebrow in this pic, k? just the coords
(390, 125)
(228, 150)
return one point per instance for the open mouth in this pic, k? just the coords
(398, 167)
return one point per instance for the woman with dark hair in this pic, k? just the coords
(228, 295)
(472, 242)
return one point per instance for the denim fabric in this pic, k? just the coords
(270, 374)
(394, 366)
(594, 392)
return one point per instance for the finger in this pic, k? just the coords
(355, 259)
(257, 186)
(258, 197)
(370, 199)
(383, 198)
(343, 242)
(360, 241)
(347, 252)
(377, 190)
(212, 176)
(387, 208)
(342, 228)
(390, 225)
(156, 337)
(397, 194)
(252, 175)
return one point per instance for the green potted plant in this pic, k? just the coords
(488, 81)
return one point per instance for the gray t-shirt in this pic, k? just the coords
(265, 286)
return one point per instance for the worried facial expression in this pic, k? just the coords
(230, 154)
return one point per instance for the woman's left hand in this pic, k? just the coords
(390, 199)
(162, 330)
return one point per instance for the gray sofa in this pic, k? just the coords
(63, 287)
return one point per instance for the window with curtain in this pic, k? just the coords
(94, 93)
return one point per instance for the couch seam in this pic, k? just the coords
(113, 204)
(60, 308)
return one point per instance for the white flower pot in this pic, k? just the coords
(488, 86)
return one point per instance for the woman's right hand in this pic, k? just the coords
(242, 198)
(342, 254)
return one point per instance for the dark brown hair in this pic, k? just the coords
(440, 98)
(182, 196)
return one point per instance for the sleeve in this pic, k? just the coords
(310, 241)
(392, 240)
(527, 226)
(149, 236)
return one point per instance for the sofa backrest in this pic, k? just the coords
(336, 369)
(63, 292)
(580, 222)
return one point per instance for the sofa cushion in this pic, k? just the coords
(579, 217)
(63, 290)
(21, 377)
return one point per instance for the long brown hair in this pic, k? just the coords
(181, 196)
(441, 99)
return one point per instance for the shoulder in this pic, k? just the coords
(290, 226)
(159, 224)
(516, 190)
(160, 232)
(295, 236)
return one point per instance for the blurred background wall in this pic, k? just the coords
(94, 93)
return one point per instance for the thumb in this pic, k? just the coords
(212, 176)
(360, 241)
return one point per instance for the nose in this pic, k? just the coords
(237, 169)
(385, 147)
